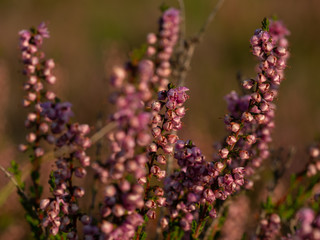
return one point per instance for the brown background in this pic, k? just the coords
(88, 37)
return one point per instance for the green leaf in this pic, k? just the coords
(35, 175)
(32, 221)
(138, 53)
(288, 214)
(244, 236)
(193, 226)
(289, 200)
(164, 7)
(268, 206)
(265, 24)
(293, 178)
(51, 181)
(143, 236)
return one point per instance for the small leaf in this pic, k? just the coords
(171, 86)
(193, 226)
(265, 24)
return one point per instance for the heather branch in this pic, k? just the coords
(184, 60)
(210, 232)
(14, 181)
(186, 51)
(7, 190)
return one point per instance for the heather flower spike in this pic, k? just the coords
(132, 184)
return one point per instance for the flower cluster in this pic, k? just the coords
(168, 112)
(314, 162)
(271, 47)
(309, 226)
(62, 210)
(188, 187)
(163, 46)
(143, 138)
(252, 115)
(136, 84)
(197, 183)
(269, 227)
(38, 71)
(123, 198)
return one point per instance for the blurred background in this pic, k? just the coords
(89, 37)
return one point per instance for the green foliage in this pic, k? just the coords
(244, 236)
(143, 236)
(60, 236)
(14, 169)
(177, 233)
(193, 226)
(51, 181)
(268, 206)
(35, 175)
(137, 54)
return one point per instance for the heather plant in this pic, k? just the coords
(151, 179)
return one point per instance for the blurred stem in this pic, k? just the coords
(14, 181)
(201, 220)
(94, 190)
(184, 59)
(36, 161)
(182, 25)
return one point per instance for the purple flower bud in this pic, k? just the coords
(185, 224)
(156, 132)
(74, 208)
(223, 153)
(281, 51)
(85, 219)
(51, 79)
(164, 222)
(213, 213)
(80, 172)
(31, 137)
(161, 201)
(161, 159)
(22, 147)
(235, 127)
(106, 227)
(151, 214)
(150, 204)
(50, 95)
(152, 147)
(142, 180)
(118, 210)
(231, 140)
(44, 203)
(151, 38)
(244, 154)
(78, 192)
(39, 152)
(156, 106)
(267, 47)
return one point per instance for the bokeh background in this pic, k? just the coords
(89, 37)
